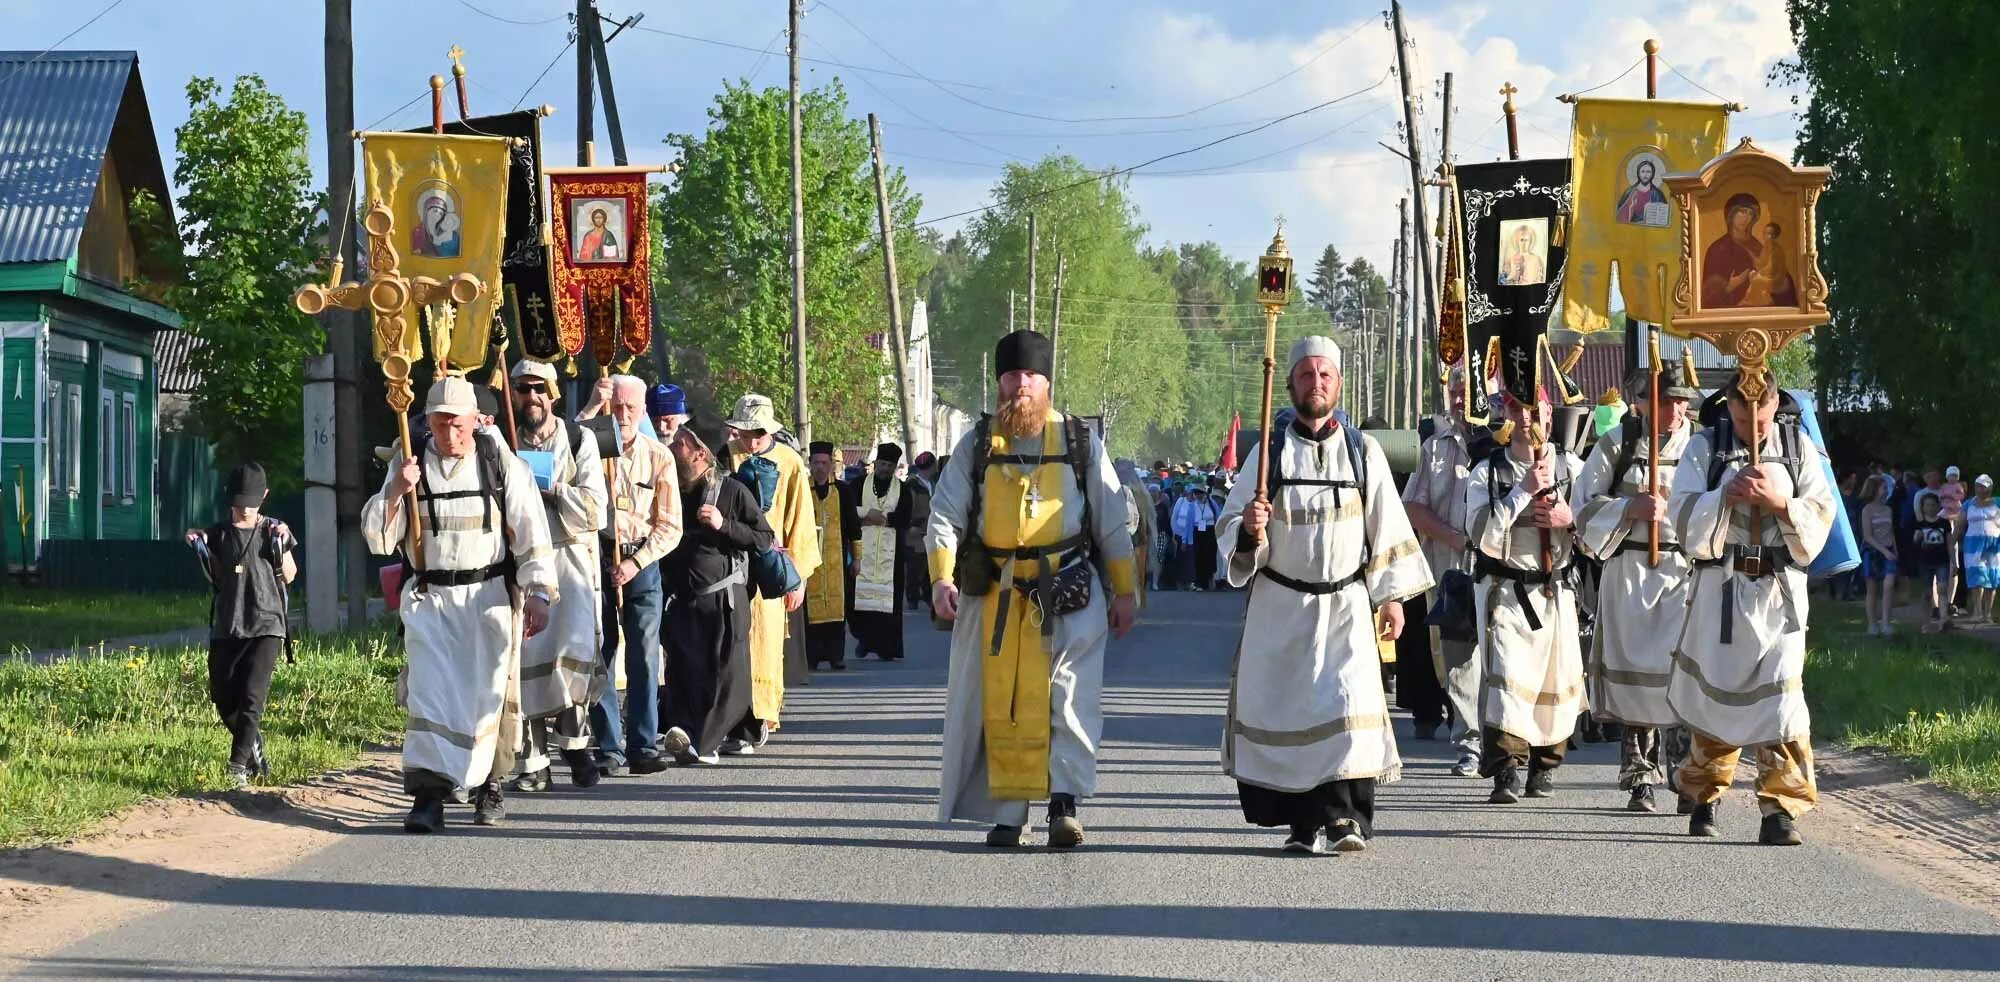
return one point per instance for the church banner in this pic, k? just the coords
(449, 198)
(1451, 302)
(1512, 222)
(527, 300)
(1624, 149)
(603, 268)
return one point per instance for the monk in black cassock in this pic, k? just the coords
(883, 502)
(830, 588)
(707, 626)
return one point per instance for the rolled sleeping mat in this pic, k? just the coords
(1842, 552)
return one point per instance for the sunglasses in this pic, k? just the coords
(531, 388)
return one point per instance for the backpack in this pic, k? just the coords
(492, 456)
(1722, 446)
(1357, 461)
(772, 572)
(1076, 453)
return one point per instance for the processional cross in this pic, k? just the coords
(387, 293)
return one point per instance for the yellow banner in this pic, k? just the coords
(449, 198)
(1624, 149)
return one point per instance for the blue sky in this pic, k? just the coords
(1246, 61)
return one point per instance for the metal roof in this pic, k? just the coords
(57, 112)
(173, 360)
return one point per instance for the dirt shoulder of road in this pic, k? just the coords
(55, 895)
(1878, 809)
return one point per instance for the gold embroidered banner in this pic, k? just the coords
(449, 198)
(603, 267)
(1623, 151)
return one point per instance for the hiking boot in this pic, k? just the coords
(1506, 788)
(1701, 821)
(1684, 805)
(678, 745)
(1642, 800)
(1004, 836)
(583, 768)
(1065, 832)
(427, 815)
(532, 781)
(1778, 830)
(1346, 836)
(1308, 842)
(489, 805)
(649, 764)
(1541, 784)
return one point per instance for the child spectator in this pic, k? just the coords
(1932, 539)
(249, 563)
(1878, 553)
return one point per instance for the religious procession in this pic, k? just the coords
(716, 534)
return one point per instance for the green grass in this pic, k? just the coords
(32, 618)
(83, 738)
(1934, 699)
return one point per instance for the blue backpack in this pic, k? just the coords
(772, 573)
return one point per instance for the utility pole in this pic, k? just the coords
(1034, 281)
(586, 122)
(345, 334)
(1421, 261)
(800, 420)
(898, 344)
(1399, 293)
(984, 404)
(1055, 319)
(1010, 311)
(603, 63)
(1418, 370)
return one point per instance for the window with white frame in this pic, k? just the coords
(107, 456)
(52, 430)
(73, 437)
(128, 466)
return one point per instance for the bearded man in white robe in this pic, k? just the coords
(1640, 605)
(1517, 507)
(1042, 588)
(482, 580)
(1308, 733)
(1738, 674)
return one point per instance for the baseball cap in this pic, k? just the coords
(1951, 473)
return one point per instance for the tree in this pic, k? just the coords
(1328, 278)
(1907, 239)
(723, 266)
(248, 236)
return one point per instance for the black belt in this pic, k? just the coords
(1630, 546)
(1755, 562)
(1037, 589)
(465, 577)
(1484, 565)
(1305, 586)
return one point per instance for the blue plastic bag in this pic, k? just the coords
(1841, 552)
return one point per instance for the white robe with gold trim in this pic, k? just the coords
(561, 668)
(1306, 704)
(1532, 685)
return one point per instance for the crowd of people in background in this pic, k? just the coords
(1932, 536)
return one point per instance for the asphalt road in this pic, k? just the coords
(819, 860)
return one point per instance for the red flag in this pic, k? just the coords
(1229, 444)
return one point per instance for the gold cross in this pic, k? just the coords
(457, 56)
(1508, 91)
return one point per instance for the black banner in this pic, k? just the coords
(1512, 214)
(528, 300)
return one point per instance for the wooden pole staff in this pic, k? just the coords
(1513, 128)
(1652, 448)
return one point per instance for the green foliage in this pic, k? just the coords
(1906, 121)
(723, 265)
(32, 619)
(81, 739)
(249, 232)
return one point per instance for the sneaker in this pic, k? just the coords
(738, 748)
(764, 731)
(611, 767)
(238, 776)
(532, 781)
(649, 764)
(1506, 788)
(489, 805)
(1346, 836)
(1004, 836)
(1778, 830)
(584, 769)
(1467, 766)
(1642, 800)
(426, 816)
(1701, 821)
(678, 746)
(1308, 842)
(710, 759)
(1541, 784)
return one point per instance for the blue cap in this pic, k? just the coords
(666, 399)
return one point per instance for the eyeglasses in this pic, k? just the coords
(531, 388)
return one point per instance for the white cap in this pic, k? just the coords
(1317, 345)
(451, 396)
(1951, 473)
(531, 368)
(1983, 480)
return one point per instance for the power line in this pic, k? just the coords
(817, 61)
(509, 20)
(530, 90)
(898, 103)
(39, 55)
(1085, 119)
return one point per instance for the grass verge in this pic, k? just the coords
(81, 739)
(33, 618)
(1934, 699)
